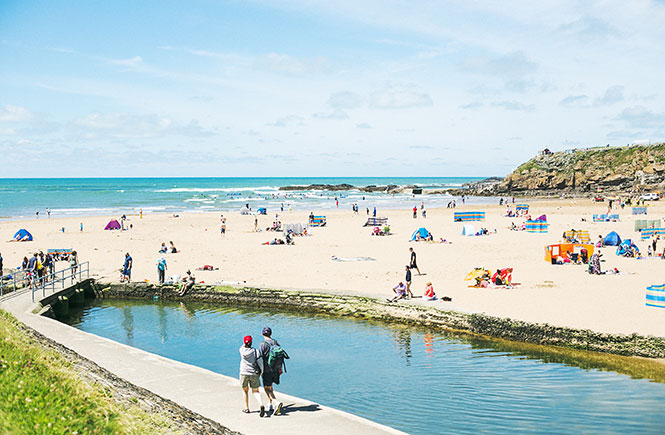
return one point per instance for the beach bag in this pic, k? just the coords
(276, 358)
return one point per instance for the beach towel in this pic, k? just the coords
(336, 258)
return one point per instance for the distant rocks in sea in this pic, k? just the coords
(391, 188)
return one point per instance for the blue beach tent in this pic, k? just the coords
(612, 239)
(423, 233)
(23, 235)
(624, 245)
(262, 210)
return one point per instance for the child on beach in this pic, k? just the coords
(429, 292)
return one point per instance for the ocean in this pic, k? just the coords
(23, 197)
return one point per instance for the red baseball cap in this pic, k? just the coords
(247, 339)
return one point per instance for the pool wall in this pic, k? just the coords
(376, 309)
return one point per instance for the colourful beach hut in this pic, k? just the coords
(656, 296)
(23, 235)
(468, 216)
(113, 225)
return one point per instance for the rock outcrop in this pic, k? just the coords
(634, 168)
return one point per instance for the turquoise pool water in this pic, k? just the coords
(417, 381)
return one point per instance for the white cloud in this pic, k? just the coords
(11, 113)
(399, 98)
(345, 100)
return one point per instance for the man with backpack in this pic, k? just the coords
(273, 356)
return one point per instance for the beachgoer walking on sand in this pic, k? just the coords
(161, 269)
(270, 374)
(654, 243)
(141, 214)
(415, 212)
(412, 262)
(407, 279)
(256, 224)
(81, 226)
(374, 212)
(127, 268)
(367, 211)
(251, 368)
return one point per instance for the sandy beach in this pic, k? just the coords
(563, 295)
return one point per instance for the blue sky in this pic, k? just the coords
(316, 88)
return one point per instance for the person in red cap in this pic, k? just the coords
(251, 368)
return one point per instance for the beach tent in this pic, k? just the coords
(565, 249)
(468, 230)
(262, 210)
(23, 235)
(113, 225)
(656, 296)
(612, 239)
(542, 218)
(466, 216)
(423, 233)
(624, 245)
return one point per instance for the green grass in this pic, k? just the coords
(41, 392)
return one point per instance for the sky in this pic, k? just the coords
(322, 88)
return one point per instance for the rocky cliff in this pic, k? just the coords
(608, 169)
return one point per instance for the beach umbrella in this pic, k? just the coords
(476, 273)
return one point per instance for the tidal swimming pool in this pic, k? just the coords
(412, 379)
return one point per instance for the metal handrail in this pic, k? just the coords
(29, 283)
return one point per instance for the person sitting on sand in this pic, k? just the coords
(429, 292)
(163, 249)
(400, 292)
(188, 282)
(173, 248)
(429, 238)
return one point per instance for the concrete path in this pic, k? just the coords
(210, 394)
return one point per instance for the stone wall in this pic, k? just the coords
(376, 309)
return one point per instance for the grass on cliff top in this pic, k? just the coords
(40, 392)
(610, 157)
